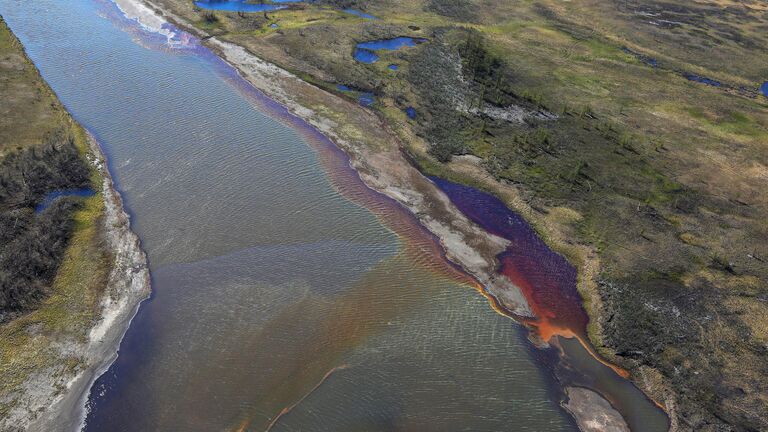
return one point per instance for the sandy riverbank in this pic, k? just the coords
(377, 158)
(128, 285)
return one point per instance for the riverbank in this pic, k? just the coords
(127, 287)
(376, 153)
(50, 356)
(654, 178)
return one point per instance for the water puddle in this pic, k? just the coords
(360, 14)
(51, 197)
(700, 79)
(364, 98)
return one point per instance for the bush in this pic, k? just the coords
(33, 245)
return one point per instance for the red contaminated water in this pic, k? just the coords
(547, 280)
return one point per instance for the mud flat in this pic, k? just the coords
(592, 412)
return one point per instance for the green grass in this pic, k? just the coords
(27, 344)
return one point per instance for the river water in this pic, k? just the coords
(286, 294)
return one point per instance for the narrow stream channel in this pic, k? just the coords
(287, 295)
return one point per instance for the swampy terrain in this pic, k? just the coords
(631, 135)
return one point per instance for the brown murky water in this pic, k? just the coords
(279, 302)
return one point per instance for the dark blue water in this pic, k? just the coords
(360, 14)
(237, 6)
(410, 112)
(700, 79)
(53, 196)
(764, 89)
(364, 98)
(364, 52)
(650, 61)
(365, 56)
(393, 67)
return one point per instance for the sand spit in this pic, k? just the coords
(48, 408)
(592, 412)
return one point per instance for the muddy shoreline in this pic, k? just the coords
(128, 286)
(385, 169)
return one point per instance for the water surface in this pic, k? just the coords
(237, 6)
(548, 282)
(281, 284)
(360, 14)
(364, 51)
(51, 197)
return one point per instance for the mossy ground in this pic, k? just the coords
(37, 341)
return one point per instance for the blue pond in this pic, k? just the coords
(237, 5)
(410, 112)
(273, 25)
(360, 14)
(764, 89)
(365, 98)
(701, 79)
(364, 52)
(393, 67)
(365, 56)
(51, 197)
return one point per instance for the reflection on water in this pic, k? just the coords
(548, 282)
(281, 284)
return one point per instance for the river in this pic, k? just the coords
(267, 280)
(286, 295)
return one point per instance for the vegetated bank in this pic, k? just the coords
(71, 272)
(648, 182)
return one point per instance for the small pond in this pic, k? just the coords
(700, 79)
(51, 197)
(365, 99)
(764, 89)
(364, 52)
(359, 14)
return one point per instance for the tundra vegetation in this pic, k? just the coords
(54, 263)
(632, 129)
